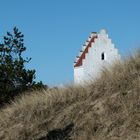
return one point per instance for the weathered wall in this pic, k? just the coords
(78, 75)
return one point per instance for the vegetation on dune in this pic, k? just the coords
(106, 109)
(14, 77)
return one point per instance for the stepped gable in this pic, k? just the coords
(83, 52)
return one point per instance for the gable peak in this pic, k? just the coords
(103, 31)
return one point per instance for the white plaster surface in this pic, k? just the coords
(93, 64)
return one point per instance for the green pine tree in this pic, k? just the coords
(14, 77)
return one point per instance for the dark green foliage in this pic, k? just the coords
(14, 78)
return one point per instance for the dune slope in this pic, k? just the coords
(106, 109)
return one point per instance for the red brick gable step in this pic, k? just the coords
(82, 56)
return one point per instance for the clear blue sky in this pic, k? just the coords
(55, 30)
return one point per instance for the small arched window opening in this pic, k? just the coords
(103, 56)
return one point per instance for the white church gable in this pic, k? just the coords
(97, 53)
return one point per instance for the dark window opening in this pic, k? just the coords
(102, 56)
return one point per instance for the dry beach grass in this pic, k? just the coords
(106, 109)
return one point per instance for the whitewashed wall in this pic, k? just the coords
(93, 64)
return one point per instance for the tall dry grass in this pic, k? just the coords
(106, 109)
